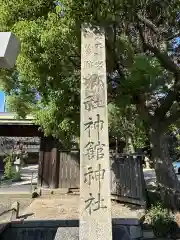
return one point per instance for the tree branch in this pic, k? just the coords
(163, 57)
(171, 119)
(149, 24)
(120, 72)
(152, 103)
(142, 109)
(73, 62)
(165, 104)
(156, 30)
(169, 38)
(167, 63)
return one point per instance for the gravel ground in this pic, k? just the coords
(66, 207)
(6, 202)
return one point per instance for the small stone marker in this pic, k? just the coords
(9, 49)
(95, 194)
(17, 164)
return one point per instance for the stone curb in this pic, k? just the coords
(73, 223)
(4, 226)
(131, 226)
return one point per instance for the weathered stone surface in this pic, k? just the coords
(55, 230)
(3, 227)
(95, 200)
(148, 234)
(126, 221)
(9, 49)
(120, 233)
(66, 233)
(28, 234)
(136, 232)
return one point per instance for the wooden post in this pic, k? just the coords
(55, 164)
(41, 163)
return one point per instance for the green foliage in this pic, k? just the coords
(174, 141)
(46, 81)
(49, 62)
(161, 220)
(8, 169)
(124, 122)
(144, 74)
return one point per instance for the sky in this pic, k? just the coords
(1, 101)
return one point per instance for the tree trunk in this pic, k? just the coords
(167, 180)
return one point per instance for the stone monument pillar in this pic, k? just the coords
(95, 194)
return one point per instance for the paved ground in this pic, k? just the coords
(67, 207)
(19, 191)
(29, 175)
(64, 207)
(7, 200)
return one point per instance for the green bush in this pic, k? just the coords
(161, 221)
(8, 168)
(9, 172)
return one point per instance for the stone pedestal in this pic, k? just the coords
(65, 230)
(119, 232)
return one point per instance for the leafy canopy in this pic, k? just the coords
(141, 61)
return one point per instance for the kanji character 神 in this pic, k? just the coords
(96, 175)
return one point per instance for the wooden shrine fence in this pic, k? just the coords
(60, 169)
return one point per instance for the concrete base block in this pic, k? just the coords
(126, 229)
(67, 233)
(72, 233)
(136, 232)
(120, 233)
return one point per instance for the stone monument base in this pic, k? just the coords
(67, 233)
(68, 230)
(72, 233)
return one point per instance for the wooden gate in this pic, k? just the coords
(69, 169)
(127, 180)
(61, 169)
(57, 168)
(48, 163)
